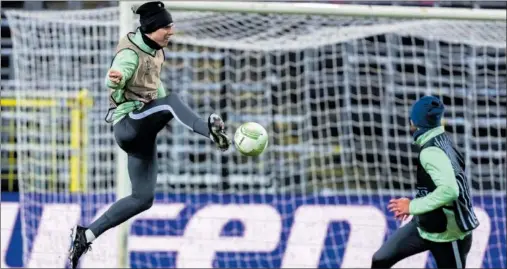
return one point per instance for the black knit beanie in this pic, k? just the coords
(153, 16)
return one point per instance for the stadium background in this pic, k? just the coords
(485, 182)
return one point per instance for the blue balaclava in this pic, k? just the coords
(426, 114)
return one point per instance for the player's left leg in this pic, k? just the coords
(451, 254)
(172, 106)
(214, 127)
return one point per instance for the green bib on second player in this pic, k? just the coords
(461, 211)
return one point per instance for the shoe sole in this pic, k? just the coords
(222, 139)
(73, 237)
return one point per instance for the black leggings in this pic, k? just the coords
(136, 134)
(406, 242)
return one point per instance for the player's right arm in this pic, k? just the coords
(123, 67)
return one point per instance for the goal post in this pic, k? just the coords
(300, 8)
(122, 178)
(332, 84)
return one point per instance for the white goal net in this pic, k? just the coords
(334, 94)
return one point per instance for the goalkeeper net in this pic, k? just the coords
(334, 94)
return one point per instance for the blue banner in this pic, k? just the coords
(239, 231)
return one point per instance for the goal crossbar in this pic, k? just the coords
(335, 9)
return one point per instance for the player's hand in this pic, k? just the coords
(400, 207)
(115, 76)
(402, 217)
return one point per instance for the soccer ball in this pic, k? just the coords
(251, 139)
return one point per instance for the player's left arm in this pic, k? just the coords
(439, 167)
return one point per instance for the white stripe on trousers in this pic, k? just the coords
(154, 110)
(455, 250)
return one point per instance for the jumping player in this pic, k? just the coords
(140, 109)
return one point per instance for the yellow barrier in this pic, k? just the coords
(79, 106)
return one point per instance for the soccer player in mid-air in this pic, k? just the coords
(443, 216)
(141, 108)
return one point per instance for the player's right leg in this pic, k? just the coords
(142, 173)
(452, 254)
(403, 243)
(142, 169)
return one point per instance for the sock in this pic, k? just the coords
(89, 236)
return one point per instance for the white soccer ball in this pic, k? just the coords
(251, 139)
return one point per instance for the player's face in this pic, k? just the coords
(163, 35)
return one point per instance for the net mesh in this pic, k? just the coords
(334, 94)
